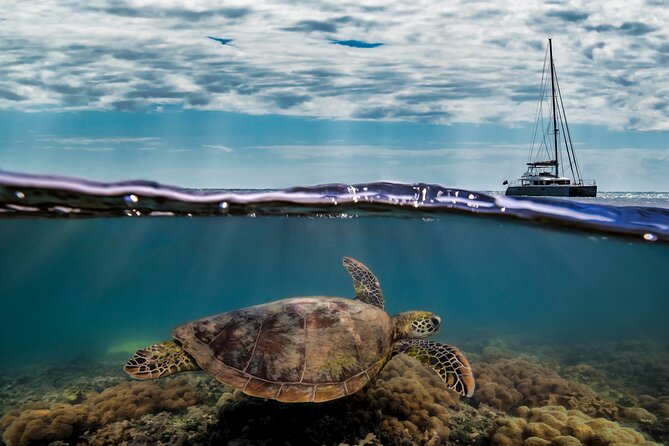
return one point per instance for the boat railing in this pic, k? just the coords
(587, 183)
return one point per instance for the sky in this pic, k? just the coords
(280, 93)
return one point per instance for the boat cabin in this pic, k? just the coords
(543, 181)
(537, 175)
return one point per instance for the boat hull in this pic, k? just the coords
(552, 191)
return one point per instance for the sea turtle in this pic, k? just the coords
(305, 349)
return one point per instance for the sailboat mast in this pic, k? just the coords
(555, 129)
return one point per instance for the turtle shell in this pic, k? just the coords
(307, 349)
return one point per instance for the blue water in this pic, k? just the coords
(550, 278)
(77, 286)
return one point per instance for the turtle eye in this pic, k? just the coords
(436, 321)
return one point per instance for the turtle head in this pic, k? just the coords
(416, 324)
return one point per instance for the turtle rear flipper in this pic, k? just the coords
(446, 360)
(160, 360)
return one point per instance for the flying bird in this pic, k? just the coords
(219, 40)
(356, 43)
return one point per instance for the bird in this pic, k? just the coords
(355, 43)
(219, 40)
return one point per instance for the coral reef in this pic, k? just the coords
(620, 368)
(66, 382)
(191, 427)
(40, 423)
(509, 382)
(640, 366)
(557, 426)
(405, 405)
(659, 406)
(557, 397)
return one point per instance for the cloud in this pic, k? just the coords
(11, 96)
(622, 80)
(88, 149)
(150, 12)
(309, 26)
(589, 51)
(636, 28)
(157, 92)
(126, 105)
(569, 15)
(470, 153)
(287, 100)
(443, 62)
(98, 144)
(629, 28)
(413, 114)
(82, 140)
(218, 148)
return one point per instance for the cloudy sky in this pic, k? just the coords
(276, 93)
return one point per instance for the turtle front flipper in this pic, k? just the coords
(367, 287)
(160, 360)
(446, 360)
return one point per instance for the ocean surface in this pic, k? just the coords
(560, 305)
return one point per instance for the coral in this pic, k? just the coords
(557, 426)
(640, 366)
(470, 426)
(370, 439)
(35, 423)
(69, 382)
(623, 368)
(405, 405)
(133, 399)
(505, 383)
(659, 405)
(163, 428)
(412, 400)
(637, 414)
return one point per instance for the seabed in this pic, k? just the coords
(526, 395)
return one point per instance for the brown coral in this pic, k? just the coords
(35, 424)
(406, 404)
(659, 405)
(505, 383)
(126, 401)
(557, 426)
(412, 399)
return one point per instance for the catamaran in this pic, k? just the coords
(546, 174)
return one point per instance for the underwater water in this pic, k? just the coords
(563, 317)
